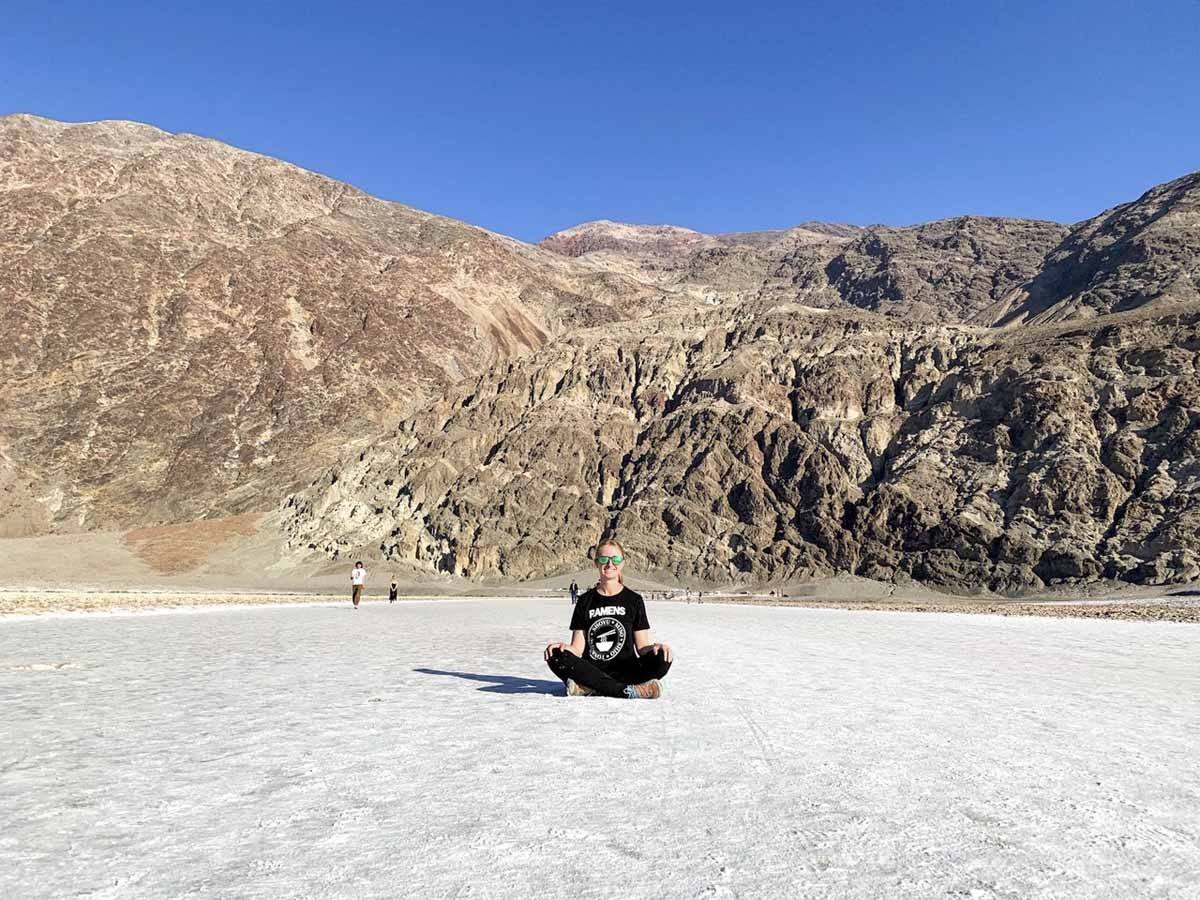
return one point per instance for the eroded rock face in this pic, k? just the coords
(796, 445)
(1139, 254)
(768, 440)
(948, 271)
(190, 329)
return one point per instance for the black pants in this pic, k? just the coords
(610, 682)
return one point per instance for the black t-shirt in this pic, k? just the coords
(608, 624)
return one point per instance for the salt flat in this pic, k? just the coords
(422, 750)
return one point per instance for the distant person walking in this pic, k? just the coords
(610, 653)
(392, 591)
(358, 577)
(574, 593)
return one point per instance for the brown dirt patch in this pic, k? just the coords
(176, 549)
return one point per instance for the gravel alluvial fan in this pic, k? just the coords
(197, 331)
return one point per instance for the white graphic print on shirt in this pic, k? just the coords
(606, 638)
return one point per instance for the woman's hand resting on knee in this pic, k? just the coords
(664, 649)
(576, 646)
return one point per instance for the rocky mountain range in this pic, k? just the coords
(965, 269)
(192, 328)
(197, 331)
(796, 444)
(771, 439)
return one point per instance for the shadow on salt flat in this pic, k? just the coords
(504, 684)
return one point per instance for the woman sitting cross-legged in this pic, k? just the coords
(610, 653)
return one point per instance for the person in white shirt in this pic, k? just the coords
(358, 577)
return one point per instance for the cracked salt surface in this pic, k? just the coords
(422, 750)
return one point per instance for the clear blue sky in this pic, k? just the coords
(528, 117)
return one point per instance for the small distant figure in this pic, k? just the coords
(574, 593)
(392, 591)
(700, 597)
(358, 577)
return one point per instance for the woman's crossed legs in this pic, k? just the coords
(611, 683)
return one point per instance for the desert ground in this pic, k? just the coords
(240, 561)
(1180, 605)
(422, 750)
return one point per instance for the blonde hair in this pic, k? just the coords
(609, 539)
